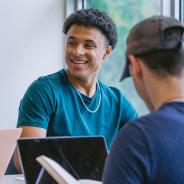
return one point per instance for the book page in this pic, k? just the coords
(88, 181)
(56, 171)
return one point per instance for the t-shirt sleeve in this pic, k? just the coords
(129, 158)
(128, 111)
(37, 105)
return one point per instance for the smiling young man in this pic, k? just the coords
(73, 101)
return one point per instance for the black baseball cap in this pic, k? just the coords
(148, 36)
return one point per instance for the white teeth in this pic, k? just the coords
(79, 62)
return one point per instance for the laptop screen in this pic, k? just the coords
(83, 157)
(8, 141)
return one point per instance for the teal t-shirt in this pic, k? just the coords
(52, 102)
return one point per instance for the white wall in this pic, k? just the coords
(31, 44)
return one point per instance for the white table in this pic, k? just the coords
(12, 179)
(17, 179)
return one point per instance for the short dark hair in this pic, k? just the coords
(93, 18)
(164, 62)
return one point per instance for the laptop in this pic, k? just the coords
(83, 157)
(8, 141)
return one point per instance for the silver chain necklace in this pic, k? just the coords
(99, 102)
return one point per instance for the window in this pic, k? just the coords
(181, 10)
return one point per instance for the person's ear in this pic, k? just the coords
(108, 51)
(134, 66)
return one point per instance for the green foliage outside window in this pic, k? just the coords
(125, 13)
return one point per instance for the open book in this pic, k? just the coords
(59, 174)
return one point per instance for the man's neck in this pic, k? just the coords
(85, 86)
(168, 90)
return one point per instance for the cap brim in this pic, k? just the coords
(125, 73)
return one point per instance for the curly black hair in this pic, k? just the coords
(94, 18)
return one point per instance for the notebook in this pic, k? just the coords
(8, 141)
(83, 157)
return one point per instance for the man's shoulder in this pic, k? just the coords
(47, 82)
(53, 76)
(149, 124)
(118, 97)
(111, 90)
(146, 119)
(52, 79)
